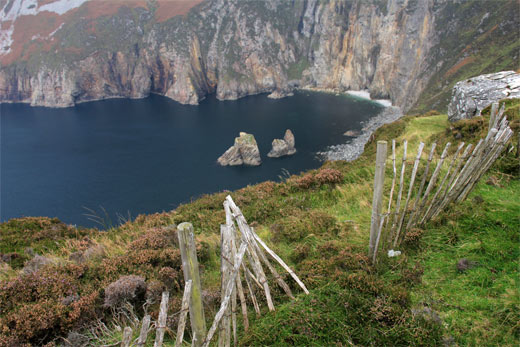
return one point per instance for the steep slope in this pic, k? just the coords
(236, 48)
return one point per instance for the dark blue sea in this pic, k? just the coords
(142, 156)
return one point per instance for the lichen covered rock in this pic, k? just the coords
(471, 96)
(282, 147)
(244, 152)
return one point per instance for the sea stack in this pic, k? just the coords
(283, 146)
(243, 152)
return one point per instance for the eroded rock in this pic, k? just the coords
(244, 152)
(282, 147)
(471, 96)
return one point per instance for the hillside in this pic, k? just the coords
(319, 223)
(411, 52)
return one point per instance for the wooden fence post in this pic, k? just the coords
(127, 337)
(377, 200)
(184, 313)
(145, 325)
(161, 321)
(493, 115)
(190, 267)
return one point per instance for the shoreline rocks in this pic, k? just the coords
(244, 152)
(283, 147)
(471, 96)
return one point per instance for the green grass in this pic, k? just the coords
(481, 306)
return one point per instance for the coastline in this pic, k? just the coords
(354, 148)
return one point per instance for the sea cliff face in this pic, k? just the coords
(237, 48)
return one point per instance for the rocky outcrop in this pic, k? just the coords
(282, 147)
(244, 152)
(236, 48)
(471, 96)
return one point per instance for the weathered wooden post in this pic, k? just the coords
(190, 267)
(493, 115)
(184, 312)
(377, 200)
(226, 265)
(410, 189)
(145, 325)
(127, 337)
(161, 321)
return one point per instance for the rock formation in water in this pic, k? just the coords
(395, 49)
(244, 152)
(282, 147)
(471, 96)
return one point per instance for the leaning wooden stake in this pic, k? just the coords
(190, 267)
(377, 200)
(127, 337)
(410, 189)
(185, 306)
(226, 265)
(411, 220)
(251, 291)
(400, 194)
(493, 115)
(281, 262)
(445, 200)
(432, 182)
(434, 200)
(240, 290)
(228, 292)
(255, 261)
(161, 322)
(275, 273)
(145, 327)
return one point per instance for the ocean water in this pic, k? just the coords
(130, 157)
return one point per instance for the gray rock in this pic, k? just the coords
(427, 314)
(36, 264)
(244, 152)
(465, 264)
(352, 133)
(471, 96)
(91, 253)
(280, 93)
(282, 147)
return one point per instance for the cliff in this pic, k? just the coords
(237, 48)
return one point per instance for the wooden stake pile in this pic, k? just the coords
(240, 262)
(435, 192)
(245, 262)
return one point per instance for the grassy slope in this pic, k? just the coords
(320, 228)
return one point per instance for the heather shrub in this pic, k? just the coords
(171, 278)
(40, 305)
(155, 239)
(131, 289)
(329, 176)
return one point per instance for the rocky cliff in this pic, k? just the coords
(471, 96)
(236, 48)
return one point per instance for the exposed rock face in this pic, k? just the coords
(471, 96)
(282, 147)
(236, 48)
(244, 152)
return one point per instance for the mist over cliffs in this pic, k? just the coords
(408, 51)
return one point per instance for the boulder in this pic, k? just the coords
(283, 146)
(352, 133)
(471, 96)
(280, 93)
(244, 152)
